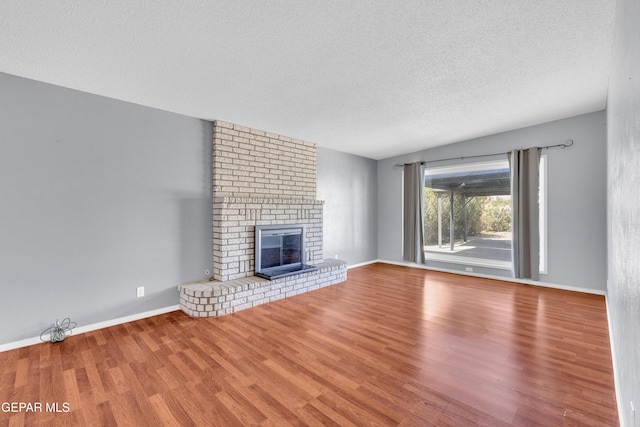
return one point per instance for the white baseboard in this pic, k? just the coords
(92, 327)
(361, 264)
(489, 276)
(105, 324)
(616, 378)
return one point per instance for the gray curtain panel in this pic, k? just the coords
(413, 249)
(524, 170)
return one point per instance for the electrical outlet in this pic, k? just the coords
(336, 256)
(469, 268)
(140, 291)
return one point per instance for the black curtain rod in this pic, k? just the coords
(567, 143)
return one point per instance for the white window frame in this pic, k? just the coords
(543, 214)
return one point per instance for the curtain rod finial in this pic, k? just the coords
(567, 143)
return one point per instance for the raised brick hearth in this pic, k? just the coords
(259, 178)
(209, 299)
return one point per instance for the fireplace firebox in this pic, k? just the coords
(279, 251)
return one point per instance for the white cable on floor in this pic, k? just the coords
(58, 332)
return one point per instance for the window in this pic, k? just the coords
(543, 214)
(467, 214)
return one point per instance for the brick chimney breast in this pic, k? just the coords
(260, 178)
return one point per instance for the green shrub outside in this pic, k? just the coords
(485, 214)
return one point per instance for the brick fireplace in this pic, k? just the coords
(259, 178)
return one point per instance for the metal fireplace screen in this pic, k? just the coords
(279, 251)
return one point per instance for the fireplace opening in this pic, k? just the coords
(279, 251)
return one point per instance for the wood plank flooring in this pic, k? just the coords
(391, 346)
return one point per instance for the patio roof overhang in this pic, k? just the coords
(472, 184)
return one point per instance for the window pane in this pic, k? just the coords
(468, 214)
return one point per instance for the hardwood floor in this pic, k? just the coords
(391, 346)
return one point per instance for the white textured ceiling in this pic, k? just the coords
(374, 78)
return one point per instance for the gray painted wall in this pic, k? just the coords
(348, 185)
(624, 207)
(97, 197)
(576, 197)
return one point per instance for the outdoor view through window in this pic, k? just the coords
(467, 214)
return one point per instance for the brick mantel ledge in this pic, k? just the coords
(266, 200)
